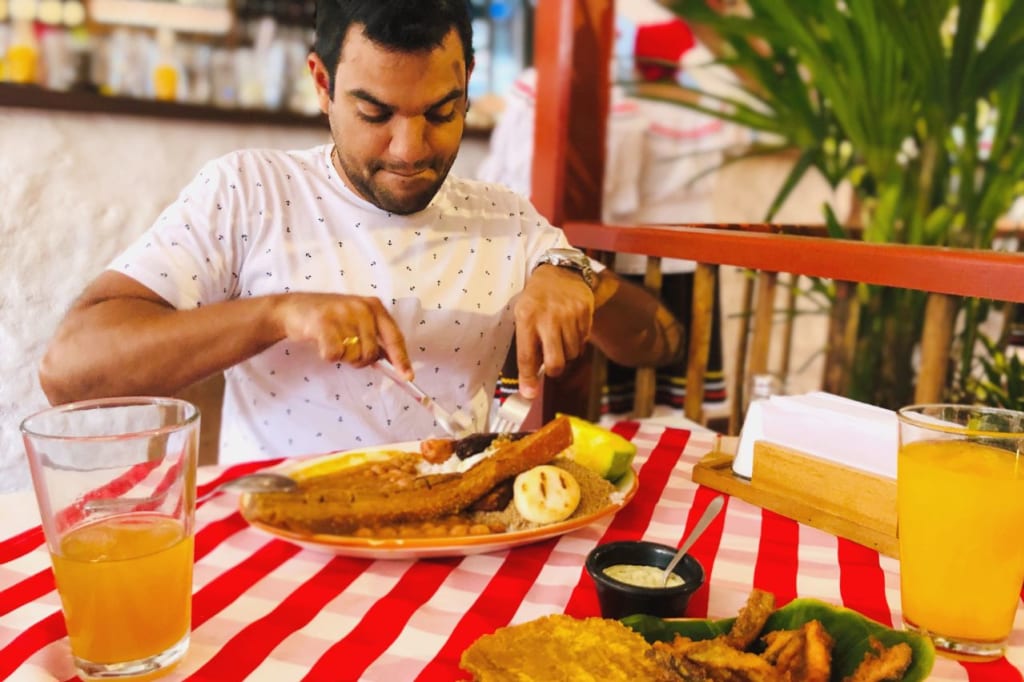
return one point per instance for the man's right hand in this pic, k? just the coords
(352, 329)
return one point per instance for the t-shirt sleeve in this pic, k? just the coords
(192, 254)
(543, 236)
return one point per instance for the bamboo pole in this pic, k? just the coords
(699, 344)
(739, 372)
(841, 338)
(936, 341)
(645, 383)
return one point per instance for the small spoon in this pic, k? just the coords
(259, 482)
(706, 518)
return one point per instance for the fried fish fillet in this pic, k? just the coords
(561, 648)
(378, 493)
(751, 619)
(715, 660)
(883, 663)
(804, 654)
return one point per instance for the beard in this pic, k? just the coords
(404, 202)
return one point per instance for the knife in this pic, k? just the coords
(454, 423)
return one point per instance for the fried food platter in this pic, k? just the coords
(854, 635)
(807, 640)
(422, 547)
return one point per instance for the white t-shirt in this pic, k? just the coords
(261, 222)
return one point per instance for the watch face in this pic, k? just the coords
(572, 259)
(570, 256)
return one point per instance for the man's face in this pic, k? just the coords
(396, 118)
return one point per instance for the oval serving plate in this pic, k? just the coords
(419, 548)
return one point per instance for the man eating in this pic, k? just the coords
(294, 271)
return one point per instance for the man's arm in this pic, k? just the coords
(632, 326)
(121, 338)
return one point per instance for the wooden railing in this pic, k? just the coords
(945, 273)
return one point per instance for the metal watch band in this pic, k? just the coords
(571, 259)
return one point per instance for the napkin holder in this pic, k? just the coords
(845, 501)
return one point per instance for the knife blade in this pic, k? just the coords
(455, 424)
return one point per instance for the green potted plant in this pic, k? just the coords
(916, 103)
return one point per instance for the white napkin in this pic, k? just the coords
(824, 425)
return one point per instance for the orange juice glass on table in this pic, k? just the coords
(960, 502)
(115, 482)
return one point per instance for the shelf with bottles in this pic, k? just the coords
(256, 64)
(53, 56)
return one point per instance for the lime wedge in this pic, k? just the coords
(599, 449)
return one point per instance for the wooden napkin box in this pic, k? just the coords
(847, 502)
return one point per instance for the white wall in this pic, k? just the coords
(75, 189)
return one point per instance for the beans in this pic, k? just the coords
(448, 527)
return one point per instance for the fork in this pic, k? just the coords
(513, 411)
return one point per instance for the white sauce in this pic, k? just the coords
(642, 576)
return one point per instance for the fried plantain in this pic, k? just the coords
(560, 648)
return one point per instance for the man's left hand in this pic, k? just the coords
(554, 315)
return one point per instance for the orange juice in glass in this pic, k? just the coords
(125, 569)
(115, 482)
(960, 501)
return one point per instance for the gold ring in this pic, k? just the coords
(350, 341)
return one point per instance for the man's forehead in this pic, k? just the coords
(370, 70)
(355, 42)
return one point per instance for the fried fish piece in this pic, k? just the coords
(369, 496)
(560, 648)
(882, 663)
(751, 619)
(804, 654)
(717, 661)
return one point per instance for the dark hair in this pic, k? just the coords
(404, 25)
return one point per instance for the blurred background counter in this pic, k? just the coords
(217, 56)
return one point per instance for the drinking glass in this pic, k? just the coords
(960, 500)
(115, 483)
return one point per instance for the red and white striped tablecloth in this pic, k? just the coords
(265, 609)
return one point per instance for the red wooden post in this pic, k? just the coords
(572, 53)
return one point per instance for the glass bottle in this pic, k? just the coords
(165, 72)
(23, 54)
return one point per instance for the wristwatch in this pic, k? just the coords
(572, 259)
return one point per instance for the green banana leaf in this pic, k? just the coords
(850, 630)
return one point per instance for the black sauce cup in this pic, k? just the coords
(619, 599)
